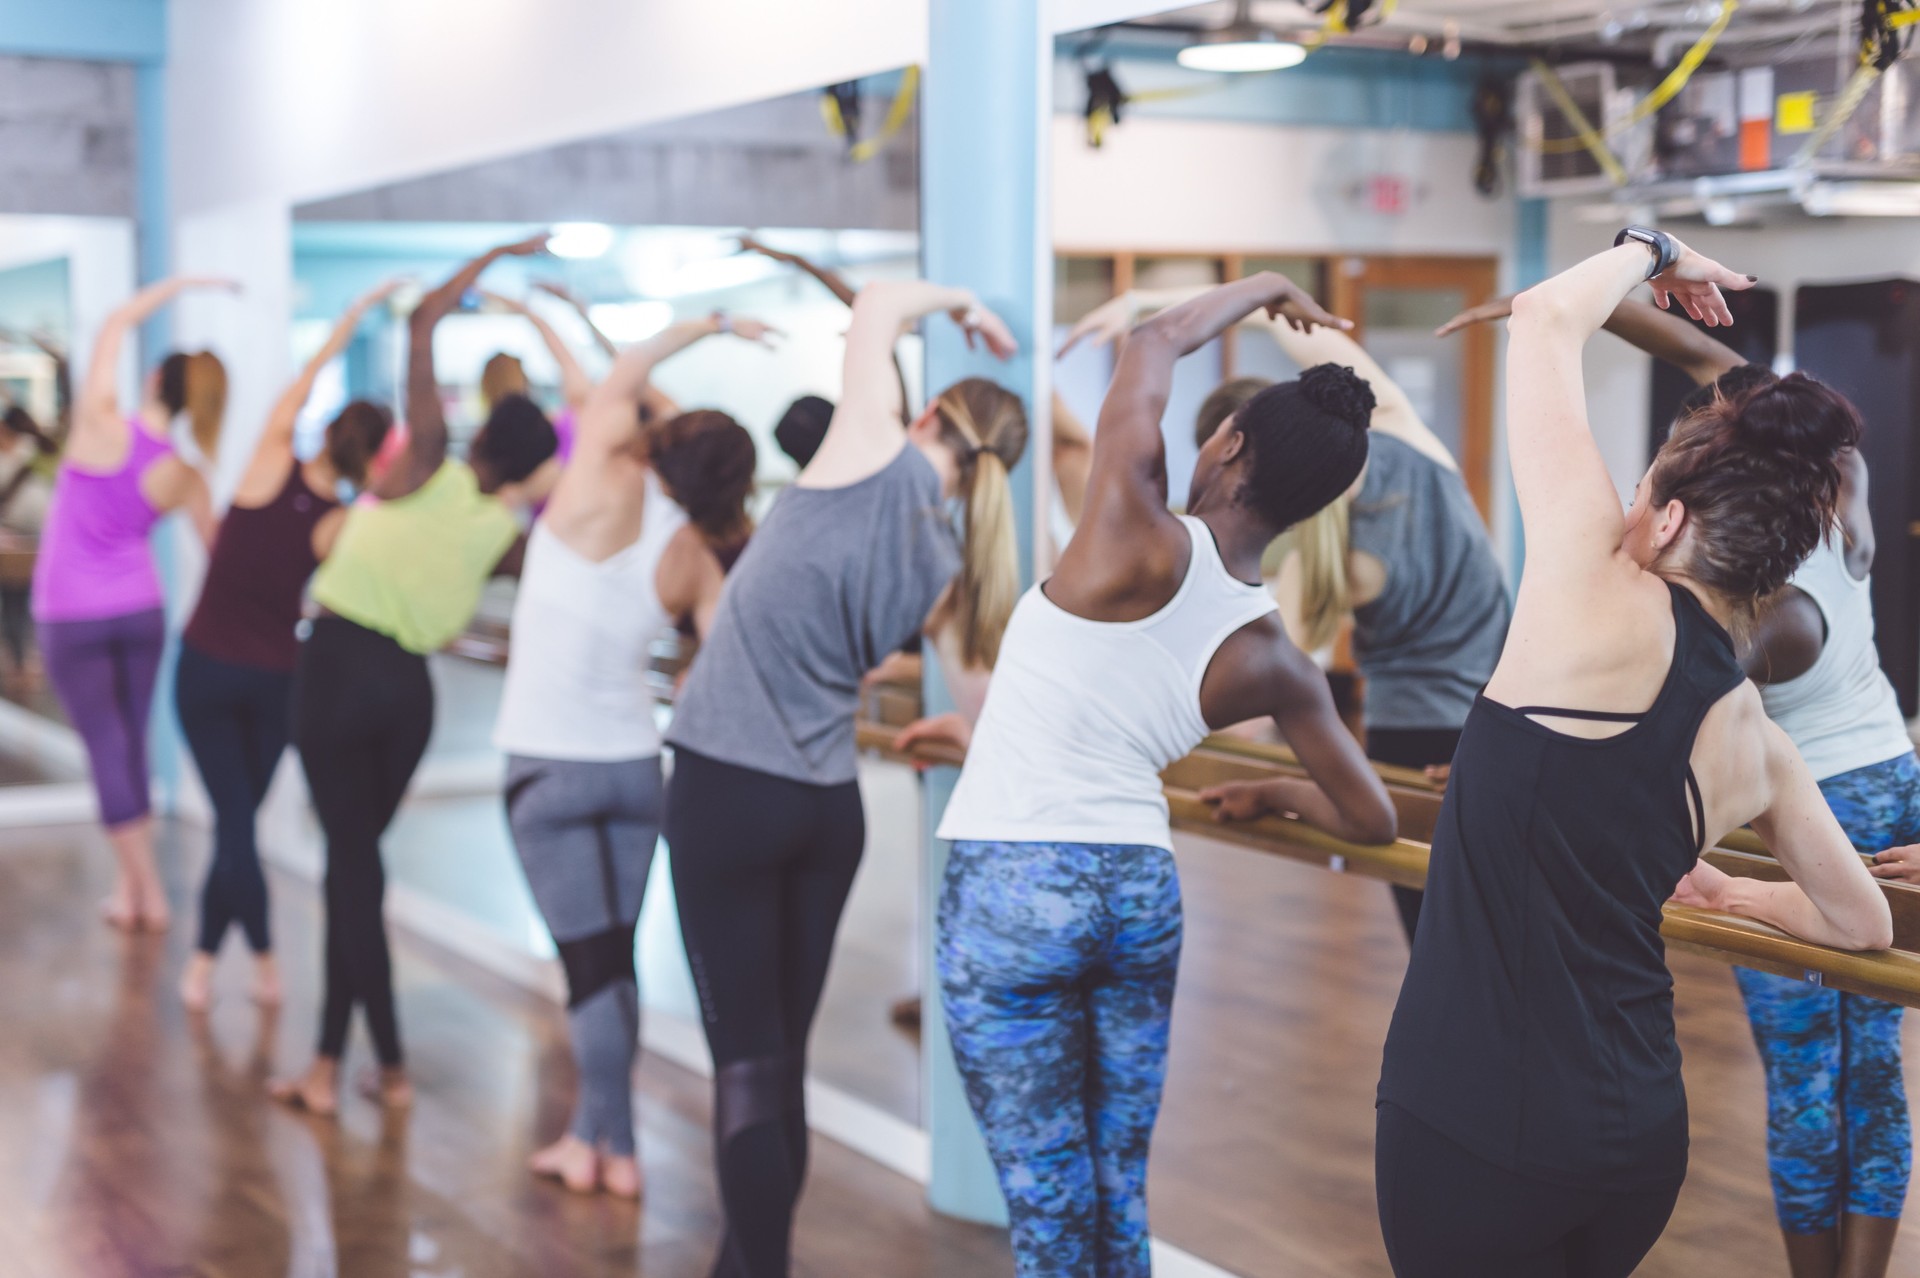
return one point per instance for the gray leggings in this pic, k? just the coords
(586, 834)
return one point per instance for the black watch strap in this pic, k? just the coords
(1665, 254)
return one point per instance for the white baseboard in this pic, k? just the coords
(58, 803)
(52, 745)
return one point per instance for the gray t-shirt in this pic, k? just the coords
(833, 580)
(1428, 644)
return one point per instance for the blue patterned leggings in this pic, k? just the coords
(1057, 963)
(1838, 1138)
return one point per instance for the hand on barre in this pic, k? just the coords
(1897, 865)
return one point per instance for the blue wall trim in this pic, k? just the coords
(98, 30)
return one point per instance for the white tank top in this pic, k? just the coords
(1842, 714)
(577, 665)
(1082, 715)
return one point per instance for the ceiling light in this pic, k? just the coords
(1242, 46)
(580, 240)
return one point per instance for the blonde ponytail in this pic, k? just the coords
(986, 426)
(1326, 595)
(206, 397)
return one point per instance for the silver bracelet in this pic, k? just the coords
(722, 322)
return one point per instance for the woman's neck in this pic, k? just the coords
(1717, 606)
(155, 419)
(319, 474)
(1241, 538)
(944, 464)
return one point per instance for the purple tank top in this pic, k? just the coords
(256, 574)
(95, 560)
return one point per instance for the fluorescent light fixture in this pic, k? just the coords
(580, 240)
(1263, 51)
(1242, 46)
(627, 322)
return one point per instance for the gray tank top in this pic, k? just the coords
(833, 580)
(1429, 643)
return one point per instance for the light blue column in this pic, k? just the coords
(983, 207)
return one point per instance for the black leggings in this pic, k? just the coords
(362, 712)
(1447, 1213)
(1411, 748)
(236, 721)
(761, 870)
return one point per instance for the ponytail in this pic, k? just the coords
(986, 427)
(1326, 594)
(196, 385)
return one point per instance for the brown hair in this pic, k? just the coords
(196, 384)
(503, 375)
(985, 425)
(707, 461)
(1758, 473)
(1225, 400)
(354, 439)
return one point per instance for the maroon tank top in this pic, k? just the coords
(256, 575)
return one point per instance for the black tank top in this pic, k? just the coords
(256, 574)
(1535, 1025)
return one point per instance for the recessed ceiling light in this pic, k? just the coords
(1242, 46)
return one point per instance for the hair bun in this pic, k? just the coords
(1338, 390)
(1799, 415)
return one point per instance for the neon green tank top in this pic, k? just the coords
(413, 568)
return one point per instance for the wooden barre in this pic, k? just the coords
(1891, 975)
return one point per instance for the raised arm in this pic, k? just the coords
(1127, 485)
(608, 421)
(566, 295)
(426, 419)
(834, 282)
(1393, 412)
(1568, 504)
(1642, 325)
(97, 416)
(575, 385)
(1832, 899)
(274, 453)
(867, 428)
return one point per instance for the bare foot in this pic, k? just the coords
(266, 980)
(155, 914)
(621, 1177)
(317, 1091)
(388, 1087)
(196, 983)
(571, 1161)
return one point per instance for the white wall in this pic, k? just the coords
(100, 274)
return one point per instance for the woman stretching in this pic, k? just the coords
(96, 589)
(403, 577)
(234, 684)
(1839, 1143)
(1059, 930)
(763, 813)
(1405, 554)
(1531, 1114)
(609, 564)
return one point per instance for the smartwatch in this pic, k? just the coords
(1664, 252)
(722, 322)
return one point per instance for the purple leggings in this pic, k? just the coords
(104, 671)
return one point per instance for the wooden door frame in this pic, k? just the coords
(1478, 279)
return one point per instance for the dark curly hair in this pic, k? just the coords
(707, 461)
(1308, 440)
(515, 441)
(1758, 471)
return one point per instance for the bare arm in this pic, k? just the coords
(866, 428)
(1642, 325)
(1832, 899)
(575, 385)
(689, 579)
(274, 453)
(835, 283)
(97, 418)
(608, 420)
(1072, 457)
(566, 295)
(426, 420)
(1567, 500)
(1126, 519)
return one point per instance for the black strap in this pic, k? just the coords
(1696, 813)
(1605, 716)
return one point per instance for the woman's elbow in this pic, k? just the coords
(1378, 822)
(1877, 934)
(1536, 308)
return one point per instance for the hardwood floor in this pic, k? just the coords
(135, 1139)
